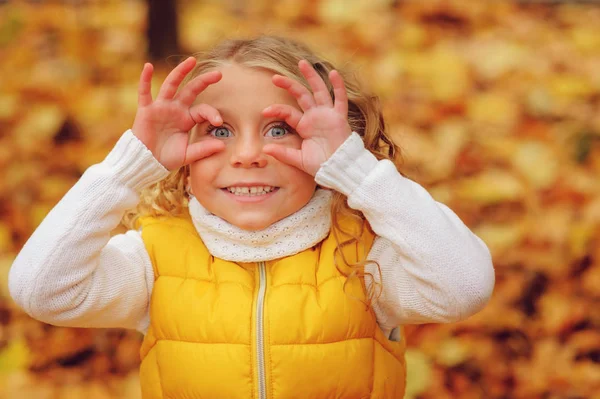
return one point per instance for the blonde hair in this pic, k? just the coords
(281, 56)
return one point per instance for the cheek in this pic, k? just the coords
(294, 141)
(204, 171)
(302, 185)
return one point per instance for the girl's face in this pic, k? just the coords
(241, 184)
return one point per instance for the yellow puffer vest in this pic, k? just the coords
(289, 328)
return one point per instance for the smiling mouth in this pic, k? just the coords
(252, 191)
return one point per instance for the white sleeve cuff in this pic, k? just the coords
(345, 170)
(135, 165)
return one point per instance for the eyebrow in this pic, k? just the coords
(228, 114)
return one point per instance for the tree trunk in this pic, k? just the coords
(162, 29)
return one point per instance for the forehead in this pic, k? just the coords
(244, 87)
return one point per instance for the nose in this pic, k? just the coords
(248, 153)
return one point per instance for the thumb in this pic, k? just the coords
(290, 156)
(203, 149)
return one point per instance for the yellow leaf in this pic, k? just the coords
(39, 126)
(500, 237)
(418, 374)
(586, 38)
(539, 101)
(5, 237)
(571, 87)
(580, 235)
(494, 109)
(348, 11)
(452, 352)
(412, 35)
(489, 187)
(529, 158)
(14, 357)
(449, 75)
(495, 58)
(9, 106)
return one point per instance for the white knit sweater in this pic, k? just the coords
(72, 273)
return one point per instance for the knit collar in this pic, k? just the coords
(291, 235)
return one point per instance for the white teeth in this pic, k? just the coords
(250, 191)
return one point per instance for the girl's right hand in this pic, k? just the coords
(163, 124)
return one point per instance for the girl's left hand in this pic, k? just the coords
(323, 125)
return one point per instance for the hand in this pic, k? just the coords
(322, 125)
(163, 124)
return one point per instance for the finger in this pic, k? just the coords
(204, 112)
(202, 149)
(189, 93)
(145, 86)
(339, 92)
(287, 155)
(286, 112)
(319, 88)
(175, 77)
(302, 95)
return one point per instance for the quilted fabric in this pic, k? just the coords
(320, 339)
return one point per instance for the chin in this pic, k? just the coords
(251, 225)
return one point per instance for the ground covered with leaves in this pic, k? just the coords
(495, 104)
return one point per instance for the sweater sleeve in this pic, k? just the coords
(71, 272)
(433, 268)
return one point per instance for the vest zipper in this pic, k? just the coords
(260, 342)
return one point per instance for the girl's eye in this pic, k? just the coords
(220, 132)
(277, 131)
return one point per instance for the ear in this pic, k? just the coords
(188, 186)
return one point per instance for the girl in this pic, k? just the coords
(275, 250)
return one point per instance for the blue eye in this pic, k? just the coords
(277, 131)
(220, 132)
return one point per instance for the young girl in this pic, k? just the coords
(276, 247)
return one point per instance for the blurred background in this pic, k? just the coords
(496, 105)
